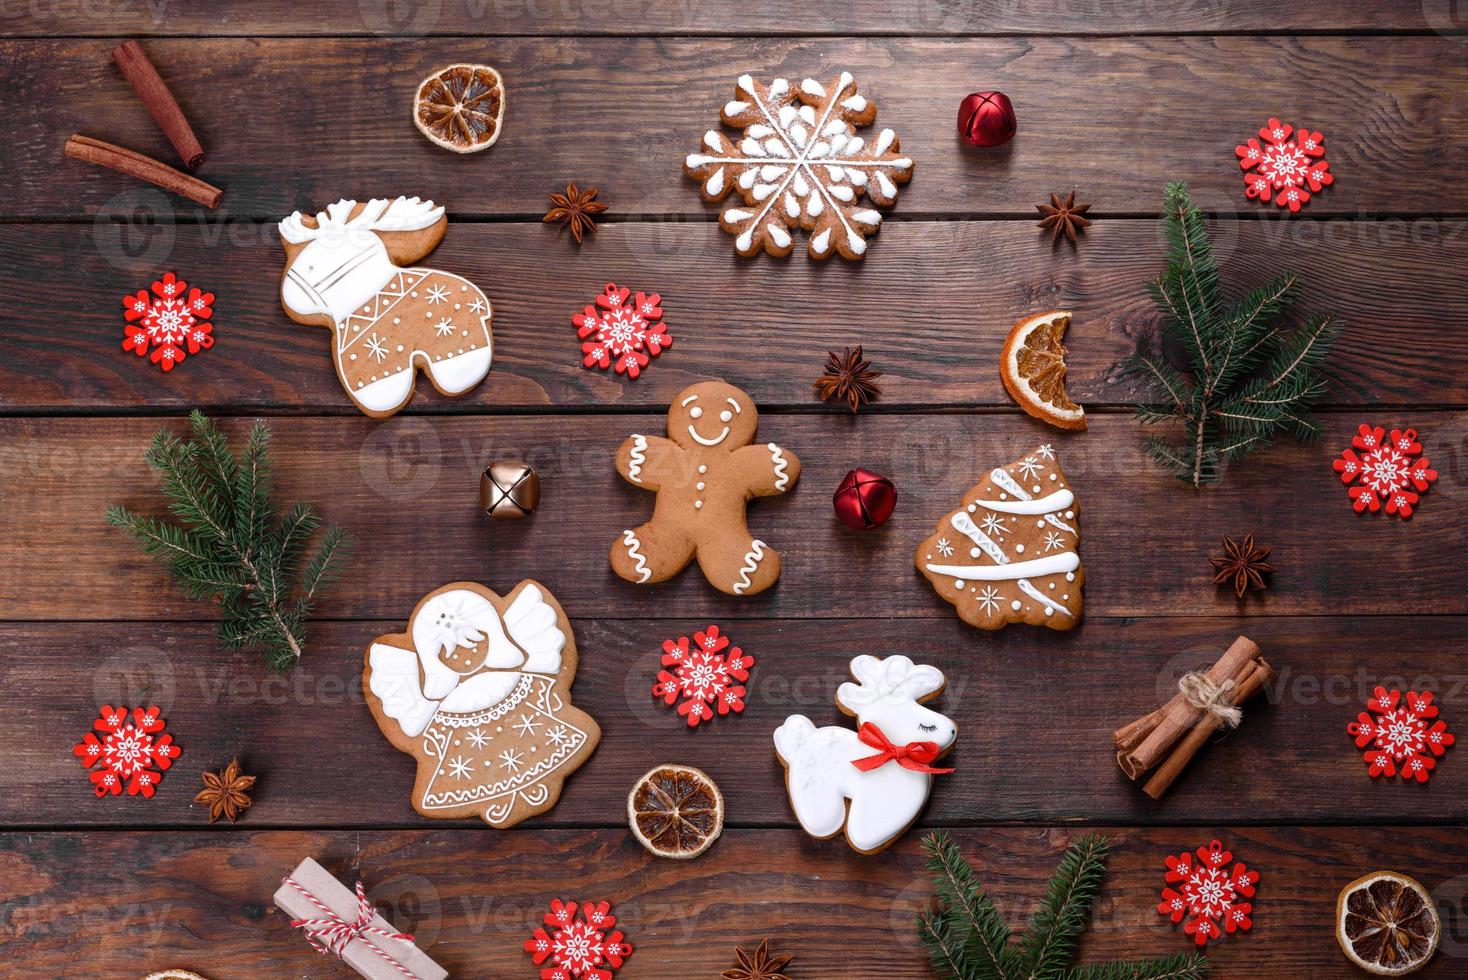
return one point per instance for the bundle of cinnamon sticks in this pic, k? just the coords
(1164, 742)
(163, 107)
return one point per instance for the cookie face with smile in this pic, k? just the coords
(711, 414)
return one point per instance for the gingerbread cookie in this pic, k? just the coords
(704, 474)
(884, 768)
(800, 164)
(344, 270)
(478, 691)
(1008, 555)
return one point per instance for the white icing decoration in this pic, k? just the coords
(708, 442)
(782, 478)
(752, 559)
(633, 545)
(821, 780)
(964, 525)
(636, 458)
(1033, 568)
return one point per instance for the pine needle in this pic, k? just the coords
(1249, 378)
(228, 545)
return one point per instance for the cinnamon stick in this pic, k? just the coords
(1256, 675)
(161, 104)
(1178, 716)
(142, 167)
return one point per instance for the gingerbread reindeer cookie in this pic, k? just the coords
(704, 474)
(478, 691)
(344, 270)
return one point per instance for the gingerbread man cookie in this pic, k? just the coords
(705, 473)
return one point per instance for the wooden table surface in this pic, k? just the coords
(299, 104)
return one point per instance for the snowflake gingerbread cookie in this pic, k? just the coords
(1286, 163)
(884, 769)
(478, 691)
(1391, 471)
(133, 751)
(800, 163)
(170, 324)
(619, 334)
(347, 269)
(702, 673)
(588, 947)
(1207, 892)
(1399, 735)
(704, 474)
(1009, 553)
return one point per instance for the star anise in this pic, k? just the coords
(574, 209)
(1063, 218)
(848, 376)
(227, 794)
(1243, 564)
(757, 966)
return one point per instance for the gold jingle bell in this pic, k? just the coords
(509, 489)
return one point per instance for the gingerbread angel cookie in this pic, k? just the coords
(1008, 555)
(478, 691)
(345, 270)
(704, 474)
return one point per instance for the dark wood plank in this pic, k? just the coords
(115, 905)
(933, 310)
(408, 490)
(1021, 757)
(509, 17)
(622, 113)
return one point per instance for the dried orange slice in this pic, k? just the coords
(461, 107)
(1033, 370)
(676, 811)
(1387, 924)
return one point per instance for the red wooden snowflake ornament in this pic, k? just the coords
(587, 947)
(1399, 735)
(1386, 472)
(128, 751)
(1208, 893)
(169, 322)
(1287, 162)
(703, 674)
(621, 335)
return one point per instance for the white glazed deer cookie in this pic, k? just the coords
(1008, 554)
(347, 269)
(884, 770)
(800, 164)
(478, 691)
(704, 474)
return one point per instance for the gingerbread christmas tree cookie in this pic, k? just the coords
(478, 691)
(1009, 554)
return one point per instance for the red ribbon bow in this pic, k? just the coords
(913, 755)
(333, 934)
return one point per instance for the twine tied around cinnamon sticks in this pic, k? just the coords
(1167, 739)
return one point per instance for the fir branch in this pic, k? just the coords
(227, 544)
(1183, 966)
(1226, 402)
(1045, 951)
(980, 926)
(1050, 941)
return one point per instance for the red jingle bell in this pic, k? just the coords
(986, 119)
(864, 499)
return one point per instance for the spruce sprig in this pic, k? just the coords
(1249, 377)
(966, 939)
(228, 543)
